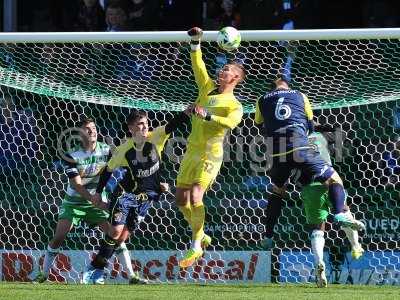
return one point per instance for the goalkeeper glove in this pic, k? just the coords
(201, 112)
(195, 34)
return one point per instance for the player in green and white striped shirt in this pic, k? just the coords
(317, 205)
(82, 166)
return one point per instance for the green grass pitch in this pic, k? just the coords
(16, 291)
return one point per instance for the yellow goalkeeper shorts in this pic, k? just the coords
(197, 168)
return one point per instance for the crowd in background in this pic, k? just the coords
(141, 15)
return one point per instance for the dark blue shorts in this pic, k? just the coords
(130, 209)
(308, 161)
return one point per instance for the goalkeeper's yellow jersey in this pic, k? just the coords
(226, 112)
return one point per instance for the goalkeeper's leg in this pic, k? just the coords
(195, 217)
(63, 227)
(183, 203)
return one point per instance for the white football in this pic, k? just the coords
(228, 38)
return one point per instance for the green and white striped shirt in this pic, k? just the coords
(87, 165)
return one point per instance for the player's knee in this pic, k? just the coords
(196, 194)
(320, 226)
(120, 240)
(105, 227)
(115, 232)
(182, 196)
(335, 178)
(280, 191)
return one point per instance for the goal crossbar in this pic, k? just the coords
(180, 36)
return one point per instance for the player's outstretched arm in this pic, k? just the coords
(258, 118)
(160, 135)
(179, 120)
(104, 177)
(309, 113)
(199, 68)
(230, 121)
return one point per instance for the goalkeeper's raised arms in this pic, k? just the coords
(216, 110)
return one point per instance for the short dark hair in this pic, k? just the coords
(240, 66)
(281, 78)
(85, 120)
(135, 115)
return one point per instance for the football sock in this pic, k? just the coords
(273, 211)
(124, 258)
(186, 210)
(107, 248)
(352, 236)
(49, 258)
(317, 246)
(337, 196)
(198, 215)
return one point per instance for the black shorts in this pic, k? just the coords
(130, 209)
(308, 161)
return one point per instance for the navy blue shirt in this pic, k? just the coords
(286, 117)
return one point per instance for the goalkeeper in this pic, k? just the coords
(82, 166)
(138, 160)
(215, 111)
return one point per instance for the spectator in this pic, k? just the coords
(286, 14)
(90, 16)
(296, 14)
(258, 14)
(229, 17)
(181, 14)
(221, 13)
(116, 18)
(132, 64)
(212, 14)
(19, 135)
(381, 13)
(143, 15)
(341, 14)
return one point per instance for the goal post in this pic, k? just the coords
(48, 81)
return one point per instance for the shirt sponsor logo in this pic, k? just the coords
(148, 172)
(212, 101)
